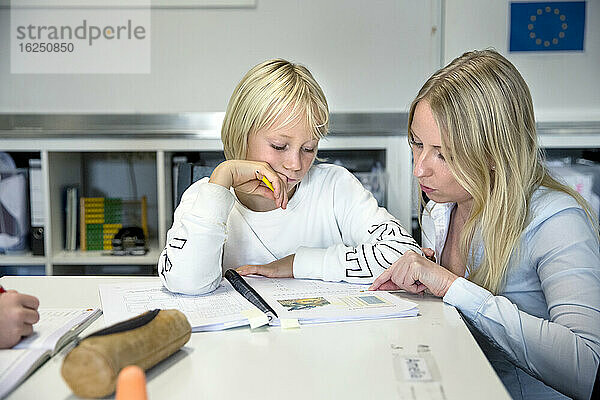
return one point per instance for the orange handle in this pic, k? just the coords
(131, 384)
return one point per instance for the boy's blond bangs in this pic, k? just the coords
(269, 90)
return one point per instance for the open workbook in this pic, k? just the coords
(255, 301)
(56, 328)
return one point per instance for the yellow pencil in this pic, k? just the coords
(269, 185)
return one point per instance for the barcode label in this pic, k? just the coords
(415, 369)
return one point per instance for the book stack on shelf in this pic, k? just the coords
(71, 193)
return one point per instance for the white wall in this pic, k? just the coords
(367, 55)
(564, 86)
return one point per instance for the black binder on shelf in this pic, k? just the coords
(188, 173)
(36, 237)
(184, 179)
(36, 209)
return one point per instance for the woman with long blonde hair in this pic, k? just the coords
(517, 251)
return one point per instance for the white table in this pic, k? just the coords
(352, 360)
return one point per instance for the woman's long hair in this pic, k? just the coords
(484, 111)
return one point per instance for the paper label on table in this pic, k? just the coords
(289, 323)
(256, 317)
(415, 369)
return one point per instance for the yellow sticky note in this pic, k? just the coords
(289, 323)
(256, 317)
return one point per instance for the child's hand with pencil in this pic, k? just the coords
(252, 178)
(18, 313)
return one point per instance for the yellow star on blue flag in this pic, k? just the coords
(547, 26)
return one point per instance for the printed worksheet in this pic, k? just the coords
(318, 301)
(220, 309)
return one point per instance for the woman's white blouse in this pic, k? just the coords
(546, 320)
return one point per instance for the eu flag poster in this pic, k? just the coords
(547, 26)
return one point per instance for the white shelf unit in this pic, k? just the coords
(61, 166)
(65, 146)
(160, 137)
(22, 259)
